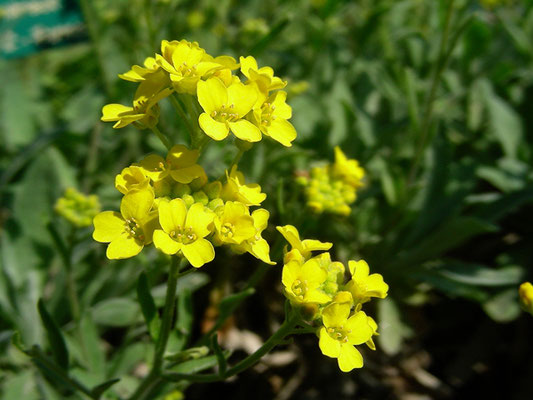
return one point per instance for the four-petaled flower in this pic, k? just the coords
(364, 286)
(184, 231)
(130, 230)
(225, 109)
(304, 247)
(302, 281)
(341, 332)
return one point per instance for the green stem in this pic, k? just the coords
(284, 330)
(166, 324)
(163, 138)
(179, 109)
(428, 110)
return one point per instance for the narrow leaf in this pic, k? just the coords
(148, 307)
(98, 390)
(55, 338)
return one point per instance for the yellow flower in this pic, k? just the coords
(180, 164)
(526, 297)
(145, 110)
(132, 178)
(234, 225)
(225, 108)
(130, 230)
(187, 63)
(77, 208)
(184, 231)
(364, 286)
(256, 245)
(262, 77)
(302, 281)
(236, 189)
(138, 73)
(304, 247)
(272, 118)
(347, 169)
(341, 332)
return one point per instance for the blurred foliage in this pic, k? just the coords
(443, 131)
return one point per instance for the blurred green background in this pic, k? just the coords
(433, 98)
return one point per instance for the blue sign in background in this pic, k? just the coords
(29, 26)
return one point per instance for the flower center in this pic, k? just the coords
(339, 333)
(227, 230)
(225, 114)
(183, 235)
(267, 110)
(299, 288)
(187, 70)
(134, 229)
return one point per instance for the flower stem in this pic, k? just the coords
(166, 324)
(163, 138)
(435, 80)
(181, 111)
(284, 330)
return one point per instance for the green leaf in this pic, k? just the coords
(99, 390)
(392, 330)
(55, 337)
(450, 235)
(148, 307)
(116, 312)
(504, 306)
(504, 122)
(480, 275)
(201, 364)
(16, 340)
(91, 347)
(190, 354)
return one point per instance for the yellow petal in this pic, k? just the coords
(260, 217)
(360, 329)
(187, 174)
(329, 346)
(179, 156)
(290, 233)
(376, 287)
(242, 98)
(172, 215)
(154, 167)
(108, 225)
(212, 94)
(137, 204)
(247, 63)
(349, 358)
(359, 269)
(335, 315)
(124, 246)
(245, 130)
(214, 129)
(291, 272)
(282, 109)
(282, 131)
(316, 245)
(313, 273)
(261, 250)
(199, 252)
(165, 243)
(199, 220)
(112, 112)
(316, 296)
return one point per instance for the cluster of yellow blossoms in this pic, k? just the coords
(77, 208)
(333, 187)
(247, 109)
(316, 286)
(171, 203)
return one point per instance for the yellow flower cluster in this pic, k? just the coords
(315, 285)
(77, 208)
(333, 187)
(248, 109)
(170, 202)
